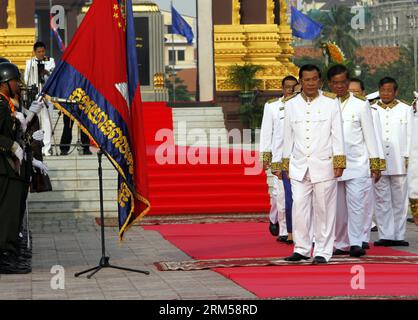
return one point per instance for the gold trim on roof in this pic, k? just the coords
(144, 7)
(11, 14)
(236, 16)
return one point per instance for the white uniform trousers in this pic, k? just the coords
(318, 200)
(391, 213)
(369, 212)
(278, 206)
(45, 117)
(352, 199)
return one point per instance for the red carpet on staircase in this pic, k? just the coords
(210, 186)
(252, 240)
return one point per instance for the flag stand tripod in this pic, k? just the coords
(104, 260)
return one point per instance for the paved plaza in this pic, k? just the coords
(74, 244)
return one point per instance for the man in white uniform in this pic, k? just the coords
(392, 189)
(362, 153)
(274, 113)
(313, 157)
(413, 171)
(357, 86)
(37, 72)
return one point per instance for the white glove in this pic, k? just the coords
(19, 116)
(18, 151)
(38, 135)
(415, 94)
(36, 106)
(41, 166)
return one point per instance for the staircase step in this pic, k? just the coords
(209, 208)
(75, 194)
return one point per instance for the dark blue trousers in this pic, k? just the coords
(289, 203)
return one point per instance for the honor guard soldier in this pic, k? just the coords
(313, 157)
(413, 170)
(11, 184)
(392, 189)
(362, 158)
(38, 69)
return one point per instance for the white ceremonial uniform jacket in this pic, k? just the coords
(413, 168)
(313, 137)
(31, 71)
(269, 125)
(396, 120)
(359, 136)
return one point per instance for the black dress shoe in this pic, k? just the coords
(374, 229)
(282, 238)
(64, 153)
(357, 251)
(319, 260)
(289, 241)
(365, 245)
(410, 220)
(296, 257)
(339, 252)
(11, 264)
(400, 243)
(87, 152)
(383, 243)
(274, 229)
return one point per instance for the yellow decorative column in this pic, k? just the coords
(265, 44)
(16, 44)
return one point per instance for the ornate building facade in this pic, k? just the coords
(17, 30)
(255, 32)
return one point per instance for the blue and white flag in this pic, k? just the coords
(304, 27)
(180, 26)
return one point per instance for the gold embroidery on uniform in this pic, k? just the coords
(276, 166)
(345, 97)
(382, 164)
(309, 99)
(374, 164)
(267, 157)
(414, 207)
(339, 162)
(285, 164)
(389, 105)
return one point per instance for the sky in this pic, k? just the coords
(187, 7)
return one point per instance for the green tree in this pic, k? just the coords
(337, 28)
(182, 93)
(244, 76)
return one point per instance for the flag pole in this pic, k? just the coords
(174, 54)
(51, 45)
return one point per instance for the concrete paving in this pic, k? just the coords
(74, 244)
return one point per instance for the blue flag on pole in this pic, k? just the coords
(304, 27)
(180, 26)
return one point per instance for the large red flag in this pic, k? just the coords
(99, 69)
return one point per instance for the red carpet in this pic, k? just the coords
(246, 240)
(325, 281)
(189, 188)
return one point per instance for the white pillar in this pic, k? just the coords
(205, 58)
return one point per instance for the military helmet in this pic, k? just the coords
(9, 71)
(4, 60)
